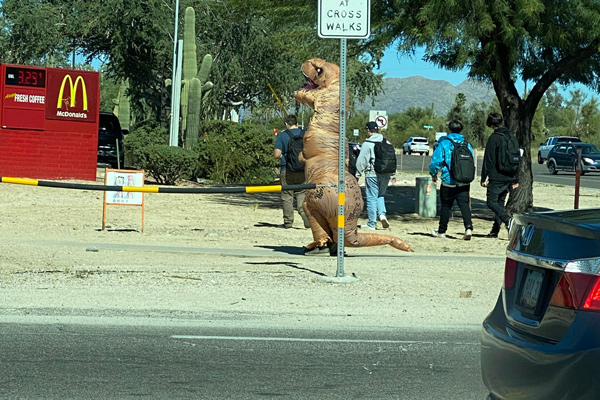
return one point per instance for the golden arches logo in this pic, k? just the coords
(73, 91)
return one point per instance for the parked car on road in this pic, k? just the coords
(416, 145)
(546, 146)
(110, 141)
(564, 157)
(542, 339)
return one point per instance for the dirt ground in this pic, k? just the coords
(223, 258)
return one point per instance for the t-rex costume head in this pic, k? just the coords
(321, 92)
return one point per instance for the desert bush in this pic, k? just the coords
(166, 164)
(143, 136)
(236, 153)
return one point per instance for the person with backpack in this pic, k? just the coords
(288, 147)
(500, 171)
(377, 160)
(455, 158)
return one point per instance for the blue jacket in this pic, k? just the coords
(442, 157)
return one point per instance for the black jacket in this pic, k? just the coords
(490, 159)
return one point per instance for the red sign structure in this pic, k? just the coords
(48, 122)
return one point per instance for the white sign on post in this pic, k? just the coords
(380, 117)
(344, 19)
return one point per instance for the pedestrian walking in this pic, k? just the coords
(500, 173)
(291, 170)
(376, 153)
(455, 158)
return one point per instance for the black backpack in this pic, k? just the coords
(385, 157)
(295, 145)
(462, 164)
(353, 152)
(509, 154)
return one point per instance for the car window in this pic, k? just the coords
(567, 139)
(418, 140)
(560, 149)
(570, 150)
(108, 123)
(590, 150)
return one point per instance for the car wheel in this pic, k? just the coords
(540, 159)
(426, 153)
(552, 167)
(582, 172)
(409, 152)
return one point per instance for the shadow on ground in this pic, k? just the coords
(400, 203)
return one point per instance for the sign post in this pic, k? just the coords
(343, 19)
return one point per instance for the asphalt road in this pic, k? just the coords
(198, 361)
(416, 162)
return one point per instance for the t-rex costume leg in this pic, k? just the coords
(321, 148)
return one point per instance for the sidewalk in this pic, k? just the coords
(221, 258)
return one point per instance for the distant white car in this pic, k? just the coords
(416, 144)
(546, 146)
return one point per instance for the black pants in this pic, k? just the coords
(448, 194)
(495, 200)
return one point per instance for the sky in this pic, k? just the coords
(395, 66)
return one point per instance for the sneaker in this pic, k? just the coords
(365, 226)
(285, 226)
(492, 234)
(384, 221)
(438, 235)
(509, 225)
(468, 234)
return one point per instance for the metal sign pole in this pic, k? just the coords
(173, 133)
(577, 177)
(341, 161)
(348, 19)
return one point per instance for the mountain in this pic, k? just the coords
(416, 91)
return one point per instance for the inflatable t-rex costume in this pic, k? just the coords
(321, 92)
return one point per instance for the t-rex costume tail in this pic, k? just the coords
(321, 92)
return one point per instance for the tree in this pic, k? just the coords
(457, 111)
(500, 41)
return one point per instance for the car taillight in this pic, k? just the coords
(510, 273)
(592, 302)
(579, 286)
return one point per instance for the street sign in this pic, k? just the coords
(380, 117)
(344, 19)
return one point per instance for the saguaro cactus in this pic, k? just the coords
(122, 107)
(191, 97)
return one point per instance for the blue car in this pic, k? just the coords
(542, 339)
(563, 157)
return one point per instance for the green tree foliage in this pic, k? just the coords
(542, 42)
(253, 42)
(236, 153)
(36, 33)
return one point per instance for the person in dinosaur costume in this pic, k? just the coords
(321, 92)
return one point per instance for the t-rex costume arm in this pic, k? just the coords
(320, 154)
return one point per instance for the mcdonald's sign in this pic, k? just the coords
(72, 95)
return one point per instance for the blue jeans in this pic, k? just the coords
(375, 188)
